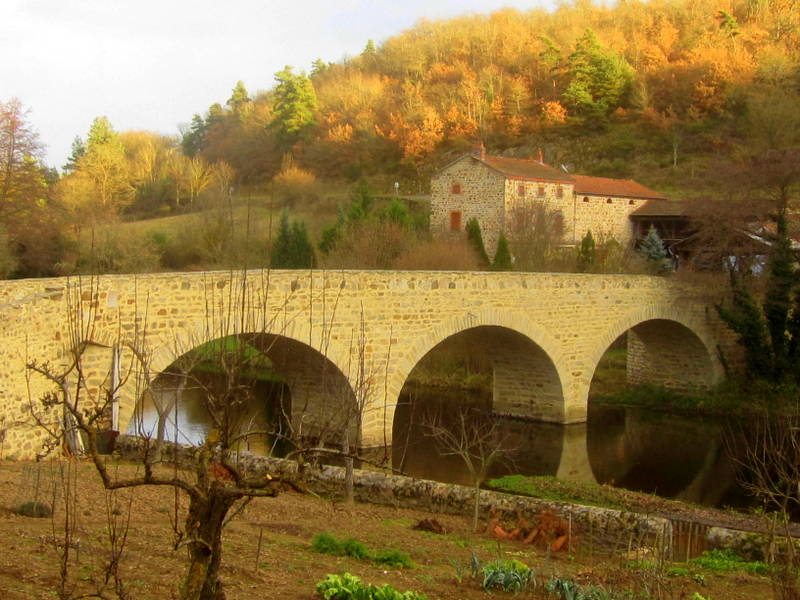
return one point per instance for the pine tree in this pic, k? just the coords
(238, 97)
(302, 251)
(77, 150)
(586, 253)
(599, 79)
(502, 257)
(282, 246)
(295, 105)
(652, 248)
(291, 249)
(101, 132)
(473, 229)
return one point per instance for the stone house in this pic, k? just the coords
(498, 191)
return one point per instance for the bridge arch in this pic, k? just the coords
(667, 347)
(528, 365)
(319, 381)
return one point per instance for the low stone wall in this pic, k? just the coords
(609, 528)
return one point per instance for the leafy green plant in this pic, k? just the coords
(566, 589)
(509, 575)
(728, 560)
(350, 587)
(325, 543)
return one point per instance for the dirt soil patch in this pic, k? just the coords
(286, 566)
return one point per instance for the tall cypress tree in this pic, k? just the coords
(292, 248)
(586, 253)
(473, 229)
(502, 257)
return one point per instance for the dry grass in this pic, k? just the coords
(287, 567)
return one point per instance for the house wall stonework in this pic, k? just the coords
(481, 197)
(547, 333)
(603, 218)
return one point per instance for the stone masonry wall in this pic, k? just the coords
(571, 318)
(481, 197)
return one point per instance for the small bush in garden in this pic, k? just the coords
(325, 543)
(509, 575)
(393, 558)
(355, 549)
(34, 509)
(350, 587)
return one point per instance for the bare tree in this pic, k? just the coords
(211, 476)
(535, 232)
(475, 437)
(770, 471)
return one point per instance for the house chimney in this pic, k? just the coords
(541, 157)
(478, 151)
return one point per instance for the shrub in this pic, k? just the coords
(325, 543)
(393, 558)
(355, 549)
(509, 575)
(34, 509)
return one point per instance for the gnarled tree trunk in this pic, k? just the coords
(204, 532)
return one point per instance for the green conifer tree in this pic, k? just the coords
(473, 229)
(295, 105)
(652, 248)
(292, 248)
(586, 253)
(502, 257)
(281, 256)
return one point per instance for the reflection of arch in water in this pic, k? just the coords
(649, 452)
(319, 389)
(526, 363)
(534, 447)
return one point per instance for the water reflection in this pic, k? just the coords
(630, 448)
(188, 421)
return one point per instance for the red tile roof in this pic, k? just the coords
(605, 186)
(519, 168)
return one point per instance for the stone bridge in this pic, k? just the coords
(358, 335)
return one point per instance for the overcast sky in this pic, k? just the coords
(152, 64)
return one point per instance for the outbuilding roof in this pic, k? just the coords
(660, 208)
(606, 186)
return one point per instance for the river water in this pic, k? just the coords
(636, 449)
